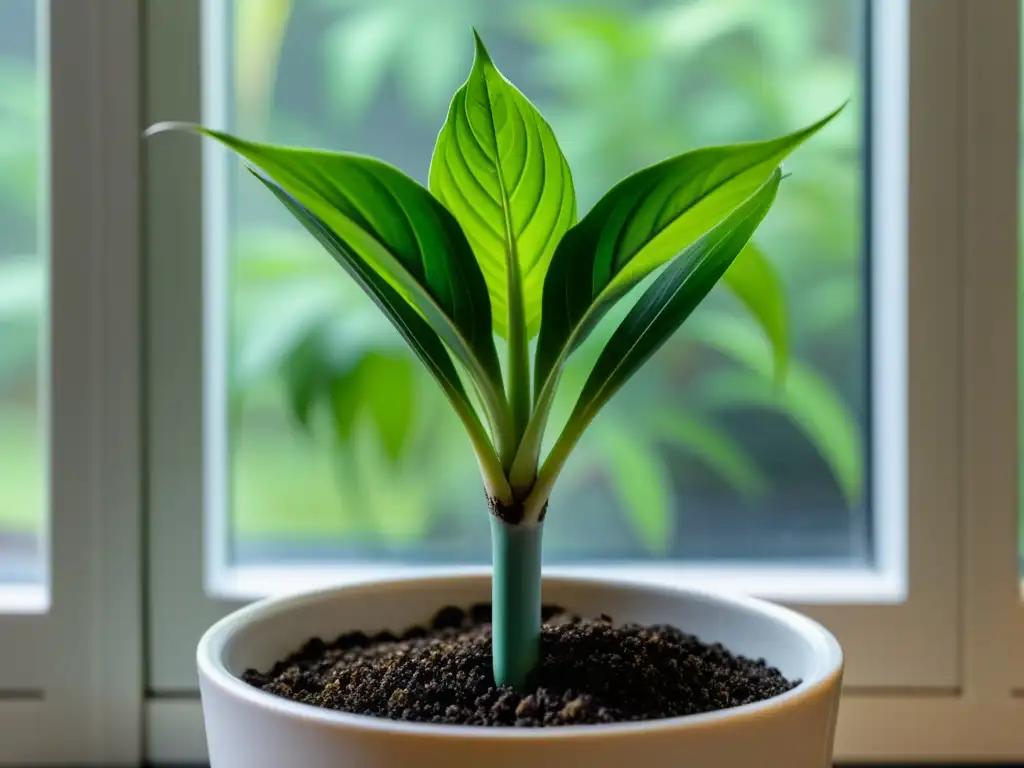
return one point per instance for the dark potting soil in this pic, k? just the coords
(591, 671)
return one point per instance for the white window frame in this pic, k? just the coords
(901, 605)
(105, 672)
(77, 639)
(914, 610)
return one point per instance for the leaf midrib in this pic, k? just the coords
(511, 251)
(519, 385)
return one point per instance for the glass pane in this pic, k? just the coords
(698, 458)
(22, 298)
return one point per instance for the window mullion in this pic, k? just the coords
(93, 688)
(993, 614)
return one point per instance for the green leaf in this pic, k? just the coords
(346, 394)
(662, 308)
(806, 398)
(671, 299)
(418, 334)
(757, 285)
(644, 221)
(712, 445)
(383, 388)
(498, 168)
(303, 377)
(389, 386)
(286, 320)
(392, 227)
(641, 481)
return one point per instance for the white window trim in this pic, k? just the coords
(993, 610)
(78, 640)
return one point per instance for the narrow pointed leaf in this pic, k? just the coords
(418, 334)
(498, 168)
(396, 229)
(643, 222)
(662, 308)
(345, 395)
(389, 386)
(757, 285)
(302, 378)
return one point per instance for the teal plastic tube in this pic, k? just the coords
(516, 601)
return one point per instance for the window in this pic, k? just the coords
(327, 413)
(804, 498)
(70, 437)
(23, 261)
(157, 311)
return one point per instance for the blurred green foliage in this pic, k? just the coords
(624, 83)
(336, 433)
(22, 117)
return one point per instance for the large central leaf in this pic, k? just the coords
(499, 170)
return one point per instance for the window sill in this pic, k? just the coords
(812, 585)
(24, 599)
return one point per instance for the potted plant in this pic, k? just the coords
(436, 670)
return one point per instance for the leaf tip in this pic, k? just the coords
(834, 113)
(480, 48)
(166, 126)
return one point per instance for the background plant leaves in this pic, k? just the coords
(640, 480)
(755, 282)
(805, 397)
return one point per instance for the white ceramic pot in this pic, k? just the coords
(247, 728)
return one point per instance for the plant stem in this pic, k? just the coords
(518, 343)
(533, 505)
(524, 468)
(490, 464)
(516, 601)
(519, 367)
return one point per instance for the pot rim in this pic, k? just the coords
(210, 651)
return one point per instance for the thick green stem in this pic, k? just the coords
(524, 467)
(519, 374)
(516, 603)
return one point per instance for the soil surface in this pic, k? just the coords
(591, 671)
